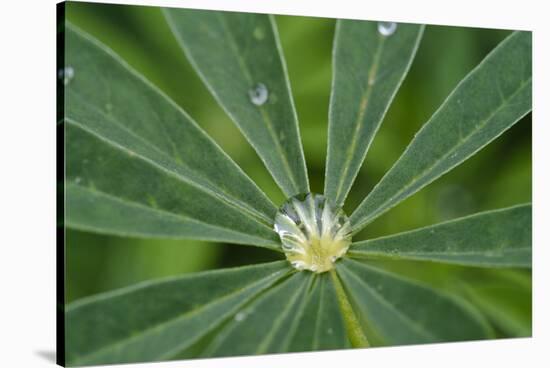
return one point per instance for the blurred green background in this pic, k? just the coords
(499, 176)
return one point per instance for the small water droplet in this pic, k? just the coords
(258, 94)
(78, 180)
(258, 33)
(66, 74)
(329, 331)
(239, 317)
(386, 28)
(372, 80)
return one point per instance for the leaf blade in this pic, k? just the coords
(127, 139)
(248, 47)
(321, 326)
(481, 108)
(498, 238)
(280, 321)
(505, 298)
(398, 311)
(111, 215)
(368, 70)
(152, 320)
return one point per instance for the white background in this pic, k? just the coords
(27, 181)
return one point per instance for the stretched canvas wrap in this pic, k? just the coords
(237, 184)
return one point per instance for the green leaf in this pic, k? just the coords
(499, 238)
(156, 320)
(494, 96)
(399, 311)
(368, 69)
(505, 298)
(321, 326)
(299, 314)
(137, 165)
(356, 334)
(236, 54)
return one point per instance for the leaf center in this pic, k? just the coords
(314, 232)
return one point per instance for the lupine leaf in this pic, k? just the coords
(488, 101)
(136, 162)
(156, 320)
(505, 297)
(498, 238)
(399, 311)
(299, 314)
(368, 68)
(239, 58)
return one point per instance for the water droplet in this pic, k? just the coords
(386, 28)
(329, 331)
(258, 94)
(66, 74)
(77, 180)
(258, 33)
(239, 317)
(314, 233)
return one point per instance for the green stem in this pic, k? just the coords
(355, 333)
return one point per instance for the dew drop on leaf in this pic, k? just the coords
(314, 233)
(258, 94)
(241, 316)
(66, 74)
(258, 33)
(386, 28)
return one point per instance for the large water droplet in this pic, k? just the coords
(66, 74)
(258, 94)
(386, 28)
(314, 233)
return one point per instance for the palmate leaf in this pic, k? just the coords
(239, 58)
(137, 165)
(368, 69)
(499, 238)
(156, 320)
(494, 96)
(300, 314)
(396, 310)
(257, 306)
